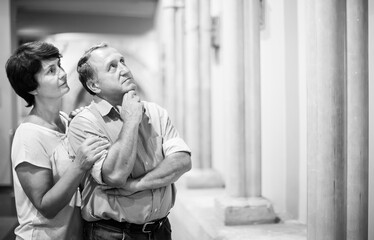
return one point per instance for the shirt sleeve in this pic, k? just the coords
(172, 141)
(79, 130)
(28, 147)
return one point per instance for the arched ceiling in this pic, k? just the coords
(37, 18)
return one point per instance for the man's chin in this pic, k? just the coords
(131, 88)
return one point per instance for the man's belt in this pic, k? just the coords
(147, 227)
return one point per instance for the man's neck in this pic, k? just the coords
(112, 102)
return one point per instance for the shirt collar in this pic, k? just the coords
(103, 106)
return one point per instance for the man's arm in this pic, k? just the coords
(170, 169)
(167, 172)
(121, 157)
(119, 162)
(175, 164)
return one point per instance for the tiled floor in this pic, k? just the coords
(8, 215)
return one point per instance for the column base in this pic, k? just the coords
(203, 178)
(245, 211)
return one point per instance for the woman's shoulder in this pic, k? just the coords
(29, 134)
(27, 127)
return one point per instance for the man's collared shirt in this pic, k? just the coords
(157, 139)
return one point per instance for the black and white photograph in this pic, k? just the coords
(187, 120)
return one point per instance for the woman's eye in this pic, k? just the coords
(52, 70)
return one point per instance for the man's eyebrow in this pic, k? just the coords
(107, 63)
(113, 59)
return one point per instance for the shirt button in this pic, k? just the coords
(146, 163)
(156, 210)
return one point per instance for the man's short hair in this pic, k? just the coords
(84, 68)
(25, 63)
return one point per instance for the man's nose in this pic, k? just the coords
(124, 70)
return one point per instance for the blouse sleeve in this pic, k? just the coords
(28, 147)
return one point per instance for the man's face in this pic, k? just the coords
(114, 78)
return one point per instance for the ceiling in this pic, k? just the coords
(127, 8)
(36, 18)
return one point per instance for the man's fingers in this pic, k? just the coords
(129, 95)
(136, 98)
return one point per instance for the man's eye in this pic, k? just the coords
(122, 61)
(112, 66)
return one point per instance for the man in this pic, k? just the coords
(146, 156)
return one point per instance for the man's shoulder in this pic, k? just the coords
(153, 108)
(83, 117)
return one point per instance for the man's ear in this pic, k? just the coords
(93, 85)
(34, 92)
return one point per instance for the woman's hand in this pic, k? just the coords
(75, 112)
(91, 150)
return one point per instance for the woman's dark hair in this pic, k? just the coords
(25, 63)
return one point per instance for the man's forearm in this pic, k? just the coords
(166, 173)
(121, 157)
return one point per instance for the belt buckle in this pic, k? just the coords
(145, 225)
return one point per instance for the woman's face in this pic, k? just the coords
(51, 79)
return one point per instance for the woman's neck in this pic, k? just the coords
(47, 115)
(48, 109)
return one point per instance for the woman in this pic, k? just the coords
(45, 172)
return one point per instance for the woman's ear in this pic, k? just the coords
(93, 85)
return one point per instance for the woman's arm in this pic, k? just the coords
(50, 198)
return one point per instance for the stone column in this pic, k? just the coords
(172, 13)
(326, 125)
(179, 66)
(192, 80)
(168, 47)
(241, 62)
(8, 100)
(357, 119)
(205, 31)
(198, 114)
(252, 97)
(338, 120)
